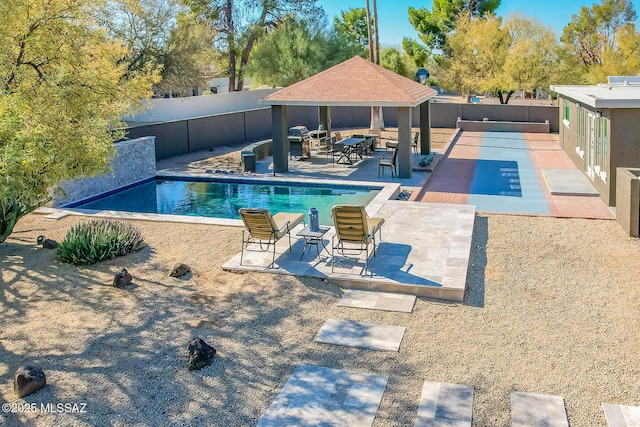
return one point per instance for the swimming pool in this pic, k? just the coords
(222, 199)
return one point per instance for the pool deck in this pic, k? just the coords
(426, 241)
(432, 262)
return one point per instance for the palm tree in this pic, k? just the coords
(369, 36)
(377, 120)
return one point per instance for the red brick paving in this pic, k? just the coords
(452, 180)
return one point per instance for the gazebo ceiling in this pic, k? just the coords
(354, 82)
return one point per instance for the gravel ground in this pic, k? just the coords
(551, 308)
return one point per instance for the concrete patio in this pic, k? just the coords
(432, 262)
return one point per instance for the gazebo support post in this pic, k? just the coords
(325, 119)
(280, 142)
(404, 142)
(425, 129)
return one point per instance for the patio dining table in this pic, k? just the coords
(351, 150)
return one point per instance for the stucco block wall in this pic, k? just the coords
(135, 161)
(624, 143)
(628, 200)
(492, 126)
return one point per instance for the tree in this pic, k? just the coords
(161, 37)
(594, 30)
(295, 50)
(352, 27)
(187, 58)
(393, 59)
(418, 53)
(489, 55)
(621, 60)
(535, 59)
(61, 99)
(435, 25)
(377, 119)
(240, 24)
(477, 48)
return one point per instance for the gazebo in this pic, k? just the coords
(353, 83)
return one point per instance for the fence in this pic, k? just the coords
(183, 136)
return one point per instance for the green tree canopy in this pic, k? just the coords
(535, 59)
(351, 26)
(621, 60)
(478, 47)
(435, 25)
(595, 30)
(62, 95)
(492, 55)
(395, 60)
(295, 50)
(240, 24)
(604, 39)
(162, 37)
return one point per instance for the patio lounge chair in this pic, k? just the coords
(391, 163)
(264, 228)
(355, 228)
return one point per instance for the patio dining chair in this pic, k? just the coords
(355, 229)
(266, 229)
(390, 163)
(328, 148)
(416, 141)
(338, 149)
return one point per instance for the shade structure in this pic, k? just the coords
(355, 82)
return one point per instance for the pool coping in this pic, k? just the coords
(389, 191)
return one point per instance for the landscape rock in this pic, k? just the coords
(122, 278)
(28, 379)
(180, 270)
(47, 243)
(201, 354)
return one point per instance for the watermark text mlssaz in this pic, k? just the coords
(76, 408)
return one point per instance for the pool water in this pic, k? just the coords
(218, 199)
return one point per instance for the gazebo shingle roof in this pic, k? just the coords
(354, 82)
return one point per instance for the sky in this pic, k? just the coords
(394, 24)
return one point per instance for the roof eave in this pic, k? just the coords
(617, 103)
(569, 92)
(319, 103)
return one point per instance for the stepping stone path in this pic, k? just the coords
(445, 405)
(314, 395)
(361, 335)
(537, 410)
(378, 301)
(621, 416)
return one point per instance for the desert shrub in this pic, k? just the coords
(98, 240)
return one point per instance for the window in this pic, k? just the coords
(602, 148)
(567, 108)
(582, 131)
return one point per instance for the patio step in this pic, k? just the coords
(377, 301)
(445, 405)
(315, 395)
(533, 410)
(621, 416)
(369, 336)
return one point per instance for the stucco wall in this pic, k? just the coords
(135, 161)
(628, 200)
(493, 126)
(624, 144)
(244, 127)
(170, 109)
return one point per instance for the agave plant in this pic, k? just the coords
(98, 240)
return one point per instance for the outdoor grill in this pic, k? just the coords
(299, 144)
